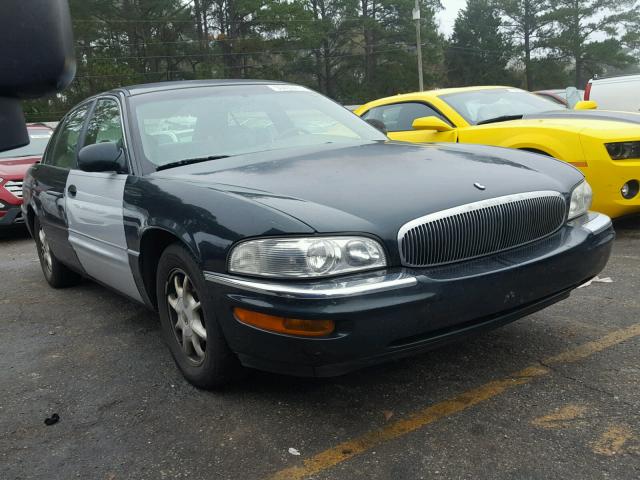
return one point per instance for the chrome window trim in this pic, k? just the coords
(471, 207)
(328, 288)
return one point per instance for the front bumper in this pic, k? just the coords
(12, 216)
(606, 178)
(400, 311)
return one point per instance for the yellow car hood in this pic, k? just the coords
(601, 124)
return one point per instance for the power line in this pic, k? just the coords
(120, 45)
(475, 50)
(279, 52)
(254, 65)
(252, 20)
(235, 54)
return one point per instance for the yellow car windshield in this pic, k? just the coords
(497, 104)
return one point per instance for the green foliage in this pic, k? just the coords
(478, 52)
(528, 23)
(550, 73)
(576, 24)
(351, 50)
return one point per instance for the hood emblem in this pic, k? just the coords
(479, 186)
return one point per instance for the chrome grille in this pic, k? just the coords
(15, 187)
(480, 228)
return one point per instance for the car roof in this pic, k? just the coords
(414, 96)
(182, 84)
(446, 91)
(442, 91)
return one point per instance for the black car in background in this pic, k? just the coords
(271, 228)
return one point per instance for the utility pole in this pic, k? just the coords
(416, 17)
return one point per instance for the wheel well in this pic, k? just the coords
(535, 150)
(152, 244)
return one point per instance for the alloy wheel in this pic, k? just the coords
(185, 313)
(45, 250)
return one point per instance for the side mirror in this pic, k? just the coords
(431, 123)
(36, 58)
(102, 157)
(378, 124)
(585, 105)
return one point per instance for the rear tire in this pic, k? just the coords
(189, 326)
(55, 272)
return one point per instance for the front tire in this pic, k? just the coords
(55, 272)
(189, 326)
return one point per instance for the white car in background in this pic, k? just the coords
(615, 93)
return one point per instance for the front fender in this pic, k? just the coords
(555, 143)
(208, 221)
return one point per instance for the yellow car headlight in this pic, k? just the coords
(580, 200)
(623, 150)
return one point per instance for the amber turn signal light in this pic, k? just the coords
(290, 326)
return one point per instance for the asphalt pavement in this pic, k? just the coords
(554, 395)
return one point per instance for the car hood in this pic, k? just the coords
(16, 167)
(377, 187)
(595, 115)
(578, 121)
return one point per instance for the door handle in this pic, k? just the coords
(72, 190)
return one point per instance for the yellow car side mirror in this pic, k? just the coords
(431, 123)
(585, 105)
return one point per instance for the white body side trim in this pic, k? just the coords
(96, 228)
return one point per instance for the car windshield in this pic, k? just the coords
(38, 139)
(194, 123)
(497, 103)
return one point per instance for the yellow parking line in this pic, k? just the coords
(349, 449)
(561, 418)
(589, 348)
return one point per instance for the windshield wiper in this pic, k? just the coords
(189, 161)
(503, 118)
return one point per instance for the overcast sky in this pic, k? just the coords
(448, 15)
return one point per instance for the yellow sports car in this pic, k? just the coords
(604, 145)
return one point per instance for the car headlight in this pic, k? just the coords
(623, 150)
(580, 200)
(306, 257)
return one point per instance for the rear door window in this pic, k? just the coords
(65, 149)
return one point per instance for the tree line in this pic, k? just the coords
(350, 50)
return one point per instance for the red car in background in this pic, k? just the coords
(13, 166)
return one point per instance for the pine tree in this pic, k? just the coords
(577, 22)
(478, 52)
(528, 23)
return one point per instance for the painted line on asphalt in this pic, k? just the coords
(351, 448)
